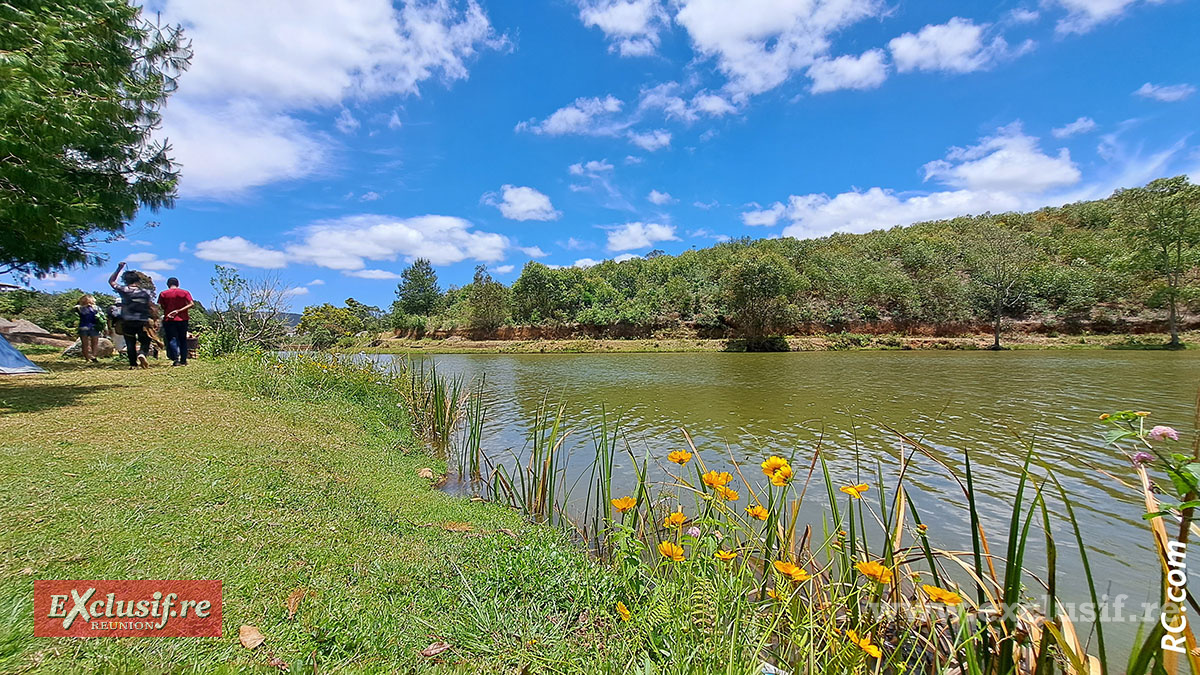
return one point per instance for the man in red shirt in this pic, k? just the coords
(175, 303)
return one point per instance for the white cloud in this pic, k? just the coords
(866, 71)
(139, 242)
(372, 274)
(394, 121)
(633, 159)
(631, 25)
(625, 256)
(503, 269)
(150, 261)
(651, 140)
(584, 263)
(370, 196)
(590, 168)
(767, 217)
(1022, 15)
(639, 235)
(705, 233)
(589, 116)
(316, 282)
(660, 198)
(816, 215)
(706, 206)
(346, 122)
(533, 251)
(1010, 161)
(573, 244)
(522, 203)
(54, 279)
(1084, 15)
(713, 105)
(240, 251)
(758, 44)
(347, 243)
(233, 123)
(668, 98)
(957, 46)
(1167, 93)
(1080, 126)
(298, 290)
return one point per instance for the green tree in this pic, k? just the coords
(81, 87)
(418, 292)
(758, 291)
(487, 302)
(370, 317)
(999, 260)
(1161, 223)
(325, 324)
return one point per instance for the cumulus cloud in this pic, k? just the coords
(758, 44)
(639, 235)
(651, 140)
(316, 282)
(669, 97)
(297, 290)
(591, 168)
(763, 217)
(1084, 15)
(1009, 161)
(240, 251)
(150, 261)
(957, 46)
(584, 263)
(1167, 93)
(233, 123)
(591, 116)
(632, 26)
(1080, 126)
(865, 71)
(522, 203)
(533, 251)
(372, 274)
(660, 198)
(705, 233)
(503, 269)
(346, 122)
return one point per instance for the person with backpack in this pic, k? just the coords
(135, 314)
(91, 322)
(175, 304)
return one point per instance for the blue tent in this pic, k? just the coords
(13, 362)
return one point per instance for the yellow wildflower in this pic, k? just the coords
(726, 494)
(791, 571)
(680, 457)
(864, 643)
(624, 504)
(717, 479)
(874, 570)
(757, 511)
(782, 475)
(772, 594)
(725, 556)
(1142, 413)
(855, 490)
(773, 464)
(941, 595)
(676, 519)
(623, 611)
(670, 551)
(1104, 417)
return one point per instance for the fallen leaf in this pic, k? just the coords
(293, 602)
(276, 662)
(435, 649)
(452, 526)
(425, 473)
(250, 636)
(508, 532)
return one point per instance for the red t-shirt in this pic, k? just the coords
(171, 300)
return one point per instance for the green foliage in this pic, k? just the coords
(488, 302)
(53, 311)
(418, 292)
(81, 87)
(325, 324)
(246, 313)
(758, 290)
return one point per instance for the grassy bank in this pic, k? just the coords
(210, 472)
(830, 342)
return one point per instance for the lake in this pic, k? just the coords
(753, 405)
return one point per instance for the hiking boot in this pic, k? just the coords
(142, 361)
(176, 364)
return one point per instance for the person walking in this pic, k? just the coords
(91, 321)
(135, 313)
(175, 304)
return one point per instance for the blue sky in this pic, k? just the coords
(329, 143)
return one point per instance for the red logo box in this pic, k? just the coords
(127, 608)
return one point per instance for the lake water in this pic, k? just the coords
(753, 405)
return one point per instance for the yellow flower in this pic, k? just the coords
(771, 593)
(757, 511)
(624, 504)
(941, 595)
(1142, 413)
(716, 480)
(623, 611)
(791, 571)
(680, 457)
(676, 519)
(726, 494)
(864, 643)
(725, 556)
(874, 570)
(773, 464)
(855, 490)
(1104, 417)
(670, 551)
(782, 475)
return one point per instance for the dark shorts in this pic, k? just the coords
(89, 332)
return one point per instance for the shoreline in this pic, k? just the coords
(814, 343)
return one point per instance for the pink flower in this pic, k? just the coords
(1142, 458)
(693, 531)
(1160, 432)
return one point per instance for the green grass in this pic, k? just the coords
(213, 472)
